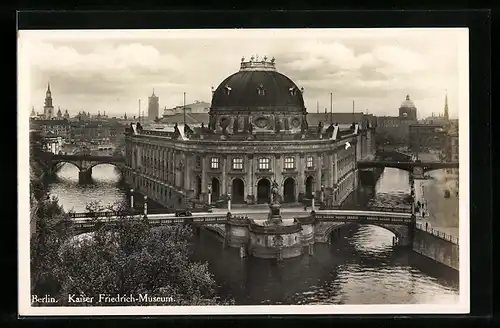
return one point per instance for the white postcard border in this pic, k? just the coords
(24, 304)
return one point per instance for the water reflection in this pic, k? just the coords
(105, 187)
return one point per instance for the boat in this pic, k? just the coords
(446, 193)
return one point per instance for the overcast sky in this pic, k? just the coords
(110, 70)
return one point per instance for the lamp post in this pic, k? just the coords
(312, 203)
(209, 194)
(132, 199)
(145, 206)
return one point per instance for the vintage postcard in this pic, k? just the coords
(279, 171)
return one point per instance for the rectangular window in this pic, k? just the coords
(264, 163)
(214, 162)
(237, 163)
(289, 163)
(309, 162)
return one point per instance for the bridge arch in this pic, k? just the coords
(117, 165)
(55, 164)
(220, 232)
(334, 227)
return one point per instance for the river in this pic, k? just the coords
(360, 267)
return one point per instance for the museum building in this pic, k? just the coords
(257, 133)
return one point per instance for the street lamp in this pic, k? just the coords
(145, 206)
(132, 198)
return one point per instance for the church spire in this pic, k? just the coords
(446, 113)
(48, 86)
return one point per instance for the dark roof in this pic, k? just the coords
(244, 91)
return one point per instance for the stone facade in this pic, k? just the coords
(164, 169)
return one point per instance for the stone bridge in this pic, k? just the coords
(393, 155)
(417, 168)
(84, 163)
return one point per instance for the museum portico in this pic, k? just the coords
(257, 133)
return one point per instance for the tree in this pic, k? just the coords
(129, 257)
(50, 233)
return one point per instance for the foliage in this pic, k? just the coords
(50, 233)
(127, 257)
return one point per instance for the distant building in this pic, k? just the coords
(424, 137)
(48, 108)
(60, 128)
(153, 107)
(407, 110)
(395, 129)
(198, 107)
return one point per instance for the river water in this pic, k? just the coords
(359, 267)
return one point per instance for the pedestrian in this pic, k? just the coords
(305, 207)
(426, 226)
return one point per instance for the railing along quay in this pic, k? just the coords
(107, 214)
(323, 217)
(368, 208)
(437, 233)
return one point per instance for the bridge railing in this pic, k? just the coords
(219, 219)
(437, 233)
(103, 214)
(107, 214)
(368, 208)
(324, 217)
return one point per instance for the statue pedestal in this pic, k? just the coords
(274, 213)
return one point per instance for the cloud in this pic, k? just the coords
(378, 72)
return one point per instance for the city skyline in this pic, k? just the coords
(110, 71)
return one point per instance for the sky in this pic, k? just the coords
(109, 71)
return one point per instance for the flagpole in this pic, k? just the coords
(331, 108)
(353, 111)
(184, 107)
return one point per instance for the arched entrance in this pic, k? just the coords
(289, 190)
(215, 188)
(263, 190)
(309, 186)
(238, 191)
(198, 186)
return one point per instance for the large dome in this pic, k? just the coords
(257, 86)
(407, 103)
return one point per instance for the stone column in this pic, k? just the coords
(249, 169)
(278, 171)
(318, 174)
(331, 169)
(204, 182)
(224, 188)
(302, 180)
(187, 170)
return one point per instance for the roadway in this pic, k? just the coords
(442, 213)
